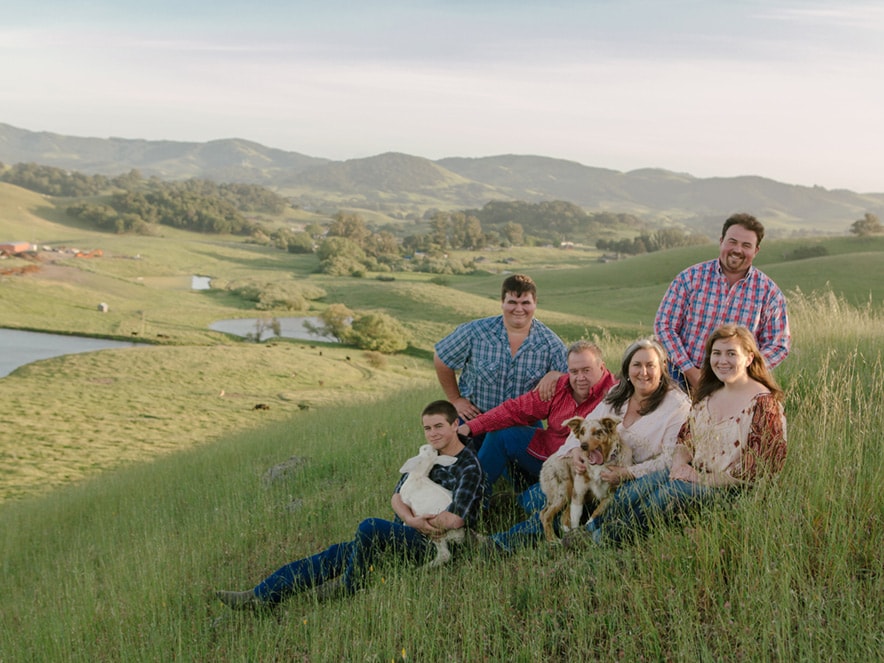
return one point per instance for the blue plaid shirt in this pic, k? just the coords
(700, 300)
(490, 375)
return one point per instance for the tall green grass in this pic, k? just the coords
(121, 568)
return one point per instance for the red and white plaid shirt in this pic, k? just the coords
(700, 300)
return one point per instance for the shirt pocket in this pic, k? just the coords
(490, 371)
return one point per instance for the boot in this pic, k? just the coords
(241, 600)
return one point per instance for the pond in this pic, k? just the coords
(18, 348)
(289, 328)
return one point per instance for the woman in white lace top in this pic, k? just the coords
(735, 433)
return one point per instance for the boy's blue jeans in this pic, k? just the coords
(350, 560)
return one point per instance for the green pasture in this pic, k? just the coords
(135, 481)
(122, 566)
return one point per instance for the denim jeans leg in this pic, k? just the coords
(638, 505)
(375, 536)
(492, 456)
(528, 531)
(631, 509)
(532, 500)
(304, 573)
(525, 533)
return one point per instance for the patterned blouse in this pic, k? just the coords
(744, 446)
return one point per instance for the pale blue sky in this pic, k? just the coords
(784, 89)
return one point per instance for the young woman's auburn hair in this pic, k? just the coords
(757, 368)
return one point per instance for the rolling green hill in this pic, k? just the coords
(397, 185)
(136, 481)
(148, 277)
(146, 283)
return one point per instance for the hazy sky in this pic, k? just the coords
(787, 90)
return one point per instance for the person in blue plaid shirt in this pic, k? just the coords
(501, 357)
(725, 290)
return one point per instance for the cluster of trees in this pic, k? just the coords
(275, 295)
(244, 197)
(515, 223)
(666, 238)
(376, 332)
(548, 222)
(54, 181)
(868, 225)
(196, 205)
(141, 212)
(351, 248)
(131, 203)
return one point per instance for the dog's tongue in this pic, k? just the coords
(596, 458)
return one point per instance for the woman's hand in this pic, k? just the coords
(578, 462)
(684, 472)
(615, 475)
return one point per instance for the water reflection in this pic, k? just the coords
(18, 348)
(288, 328)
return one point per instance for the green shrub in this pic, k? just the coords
(803, 252)
(380, 332)
(275, 295)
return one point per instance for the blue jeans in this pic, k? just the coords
(636, 506)
(509, 445)
(350, 560)
(528, 531)
(649, 500)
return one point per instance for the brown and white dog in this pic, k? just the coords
(600, 445)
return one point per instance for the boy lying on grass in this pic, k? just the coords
(341, 568)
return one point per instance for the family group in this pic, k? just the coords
(697, 405)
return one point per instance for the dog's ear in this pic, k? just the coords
(445, 460)
(609, 424)
(410, 465)
(574, 423)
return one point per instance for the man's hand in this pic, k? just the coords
(465, 409)
(424, 525)
(546, 388)
(692, 375)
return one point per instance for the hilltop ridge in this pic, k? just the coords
(398, 184)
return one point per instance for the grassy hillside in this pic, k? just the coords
(146, 283)
(134, 481)
(122, 567)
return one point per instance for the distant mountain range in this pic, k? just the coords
(399, 184)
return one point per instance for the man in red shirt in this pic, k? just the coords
(511, 436)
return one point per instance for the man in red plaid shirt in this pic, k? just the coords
(727, 289)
